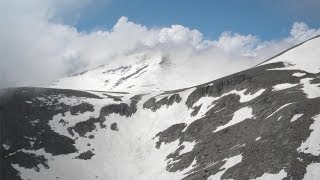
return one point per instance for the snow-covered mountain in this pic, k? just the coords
(147, 72)
(261, 123)
(139, 75)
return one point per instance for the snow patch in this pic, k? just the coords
(313, 171)
(312, 144)
(230, 162)
(206, 103)
(5, 146)
(312, 90)
(249, 97)
(279, 87)
(188, 146)
(295, 117)
(239, 116)
(299, 74)
(279, 110)
(267, 176)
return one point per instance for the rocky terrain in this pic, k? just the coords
(261, 123)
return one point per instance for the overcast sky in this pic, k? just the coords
(42, 40)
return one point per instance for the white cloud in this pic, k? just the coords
(237, 44)
(300, 31)
(37, 46)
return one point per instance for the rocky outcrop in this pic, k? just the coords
(85, 155)
(167, 101)
(122, 109)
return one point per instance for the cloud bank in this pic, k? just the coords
(38, 46)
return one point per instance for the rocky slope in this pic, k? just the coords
(261, 123)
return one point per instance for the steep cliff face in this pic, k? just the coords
(261, 123)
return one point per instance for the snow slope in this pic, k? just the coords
(303, 57)
(140, 75)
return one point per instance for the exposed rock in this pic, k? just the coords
(115, 98)
(129, 76)
(85, 155)
(63, 122)
(195, 110)
(114, 127)
(122, 109)
(81, 108)
(167, 101)
(171, 134)
(28, 160)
